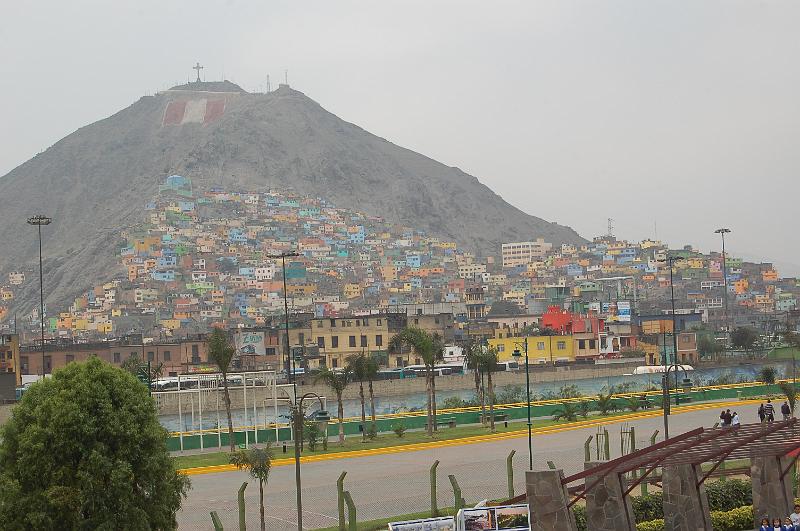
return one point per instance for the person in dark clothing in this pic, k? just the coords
(728, 417)
(722, 418)
(761, 414)
(786, 411)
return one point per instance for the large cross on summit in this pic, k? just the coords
(198, 68)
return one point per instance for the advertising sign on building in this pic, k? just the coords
(250, 343)
(447, 523)
(624, 311)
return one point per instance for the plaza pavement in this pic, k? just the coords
(396, 481)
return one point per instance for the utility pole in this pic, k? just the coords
(722, 232)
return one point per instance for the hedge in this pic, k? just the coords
(733, 520)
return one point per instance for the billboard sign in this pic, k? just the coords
(249, 343)
(447, 523)
(503, 518)
(624, 311)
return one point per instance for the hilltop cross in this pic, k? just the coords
(198, 68)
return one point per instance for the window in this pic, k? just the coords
(195, 354)
(417, 361)
(540, 345)
(398, 361)
(167, 355)
(363, 341)
(380, 322)
(501, 348)
(352, 341)
(581, 344)
(334, 341)
(270, 351)
(358, 322)
(301, 337)
(592, 343)
(151, 356)
(333, 323)
(416, 321)
(379, 340)
(116, 357)
(561, 345)
(366, 322)
(321, 342)
(335, 362)
(24, 362)
(70, 358)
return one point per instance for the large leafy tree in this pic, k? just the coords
(84, 450)
(487, 361)
(258, 462)
(744, 337)
(430, 348)
(221, 352)
(337, 381)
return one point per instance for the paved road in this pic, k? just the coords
(398, 483)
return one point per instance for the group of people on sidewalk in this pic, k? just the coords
(766, 413)
(790, 523)
(728, 419)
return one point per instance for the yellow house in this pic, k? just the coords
(352, 291)
(171, 324)
(541, 349)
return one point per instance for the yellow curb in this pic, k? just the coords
(489, 437)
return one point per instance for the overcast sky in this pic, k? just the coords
(680, 115)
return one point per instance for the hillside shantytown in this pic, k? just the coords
(201, 258)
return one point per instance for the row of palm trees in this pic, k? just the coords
(363, 368)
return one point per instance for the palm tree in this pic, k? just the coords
(568, 411)
(605, 403)
(430, 348)
(472, 357)
(488, 364)
(257, 461)
(790, 391)
(221, 352)
(357, 364)
(337, 381)
(371, 373)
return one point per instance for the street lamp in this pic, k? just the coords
(517, 354)
(283, 256)
(671, 261)
(722, 232)
(40, 220)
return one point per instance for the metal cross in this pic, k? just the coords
(198, 68)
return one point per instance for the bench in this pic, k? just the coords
(498, 417)
(450, 422)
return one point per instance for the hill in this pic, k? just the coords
(92, 182)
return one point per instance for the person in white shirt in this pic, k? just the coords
(795, 516)
(735, 421)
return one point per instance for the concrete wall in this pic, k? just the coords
(5, 413)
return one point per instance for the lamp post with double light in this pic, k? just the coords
(517, 354)
(40, 220)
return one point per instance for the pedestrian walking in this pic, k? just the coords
(786, 411)
(722, 418)
(761, 414)
(735, 420)
(769, 411)
(728, 417)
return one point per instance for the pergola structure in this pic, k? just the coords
(770, 447)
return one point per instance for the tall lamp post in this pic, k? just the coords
(283, 256)
(517, 354)
(40, 220)
(722, 232)
(671, 261)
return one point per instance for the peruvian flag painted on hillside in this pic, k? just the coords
(198, 111)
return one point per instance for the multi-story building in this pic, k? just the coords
(520, 253)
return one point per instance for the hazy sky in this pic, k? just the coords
(683, 114)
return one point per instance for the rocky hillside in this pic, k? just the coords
(92, 182)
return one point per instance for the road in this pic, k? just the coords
(398, 482)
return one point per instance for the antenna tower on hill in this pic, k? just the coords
(269, 87)
(610, 228)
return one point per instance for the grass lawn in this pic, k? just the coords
(384, 440)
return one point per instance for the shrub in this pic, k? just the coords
(733, 520)
(584, 408)
(579, 513)
(399, 429)
(729, 494)
(453, 402)
(648, 507)
(652, 525)
(768, 375)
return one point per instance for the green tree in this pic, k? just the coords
(472, 355)
(357, 365)
(430, 348)
(707, 346)
(84, 450)
(258, 462)
(337, 381)
(790, 391)
(487, 362)
(568, 411)
(767, 375)
(744, 337)
(221, 352)
(372, 373)
(605, 403)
